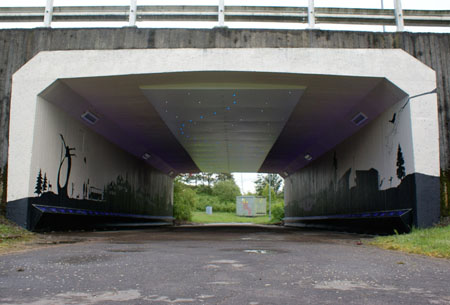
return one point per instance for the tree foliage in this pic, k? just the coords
(275, 182)
(278, 212)
(206, 179)
(184, 200)
(226, 190)
(265, 193)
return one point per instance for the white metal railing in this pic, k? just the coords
(221, 14)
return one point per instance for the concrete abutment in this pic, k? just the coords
(322, 188)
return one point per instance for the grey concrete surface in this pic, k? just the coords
(220, 265)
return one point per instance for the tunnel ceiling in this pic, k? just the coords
(225, 121)
(225, 130)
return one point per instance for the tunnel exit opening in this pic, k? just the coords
(336, 124)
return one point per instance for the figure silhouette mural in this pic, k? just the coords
(62, 190)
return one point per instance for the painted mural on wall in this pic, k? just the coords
(342, 195)
(118, 195)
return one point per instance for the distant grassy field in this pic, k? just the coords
(11, 235)
(222, 217)
(432, 242)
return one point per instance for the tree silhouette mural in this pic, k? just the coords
(401, 173)
(44, 183)
(62, 189)
(38, 188)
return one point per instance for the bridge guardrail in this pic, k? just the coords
(304, 15)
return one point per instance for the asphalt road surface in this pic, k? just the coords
(220, 265)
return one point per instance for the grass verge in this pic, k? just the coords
(12, 237)
(431, 242)
(223, 217)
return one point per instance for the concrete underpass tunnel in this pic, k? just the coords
(98, 136)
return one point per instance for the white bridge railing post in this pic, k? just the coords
(399, 15)
(48, 14)
(221, 13)
(133, 13)
(311, 14)
(216, 13)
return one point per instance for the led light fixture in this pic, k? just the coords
(90, 117)
(308, 157)
(359, 119)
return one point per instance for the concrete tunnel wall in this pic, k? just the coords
(101, 176)
(372, 171)
(18, 46)
(413, 129)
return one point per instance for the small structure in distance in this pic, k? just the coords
(250, 206)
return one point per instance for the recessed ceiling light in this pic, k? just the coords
(308, 157)
(90, 117)
(146, 156)
(359, 119)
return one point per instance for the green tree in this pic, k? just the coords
(184, 201)
(184, 178)
(208, 178)
(223, 177)
(226, 190)
(197, 178)
(265, 193)
(263, 179)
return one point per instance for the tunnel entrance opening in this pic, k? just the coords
(97, 142)
(238, 198)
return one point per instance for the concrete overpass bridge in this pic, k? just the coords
(102, 120)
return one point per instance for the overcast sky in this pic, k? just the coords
(246, 180)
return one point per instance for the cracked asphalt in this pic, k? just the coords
(220, 265)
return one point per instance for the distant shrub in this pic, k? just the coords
(278, 211)
(215, 202)
(184, 201)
